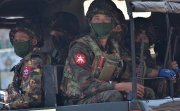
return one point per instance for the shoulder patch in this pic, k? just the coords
(80, 59)
(26, 70)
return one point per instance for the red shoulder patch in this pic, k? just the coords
(26, 70)
(80, 58)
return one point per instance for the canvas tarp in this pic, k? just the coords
(149, 6)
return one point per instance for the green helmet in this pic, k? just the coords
(27, 27)
(65, 21)
(102, 6)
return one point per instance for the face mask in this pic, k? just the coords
(102, 29)
(59, 41)
(22, 48)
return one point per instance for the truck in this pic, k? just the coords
(165, 15)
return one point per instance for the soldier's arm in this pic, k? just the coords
(31, 94)
(11, 93)
(83, 72)
(13, 89)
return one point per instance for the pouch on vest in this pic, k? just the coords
(108, 70)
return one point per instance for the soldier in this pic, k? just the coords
(64, 29)
(94, 63)
(146, 65)
(26, 89)
(144, 34)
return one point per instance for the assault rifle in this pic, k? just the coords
(141, 66)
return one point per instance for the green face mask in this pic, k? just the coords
(102, 29)
(22, 48)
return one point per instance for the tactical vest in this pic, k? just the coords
(104, 65)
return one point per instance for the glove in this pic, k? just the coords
(176, 71)
(167, 73)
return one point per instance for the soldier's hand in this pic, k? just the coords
(140, 90)
(127, 87)
(6, 98)
(9, 97)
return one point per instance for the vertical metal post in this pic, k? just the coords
(168, 42)
(168, 54)
(49, 77)
(134, 79)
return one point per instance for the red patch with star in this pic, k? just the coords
(80, 59)
(26, 70)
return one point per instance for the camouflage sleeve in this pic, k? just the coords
(31, 94)
(11, 93)
(83, 72)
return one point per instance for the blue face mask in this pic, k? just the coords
(102, 29)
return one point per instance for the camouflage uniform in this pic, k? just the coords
(58, 57)
(26, 90)
(68, 25)
(159, 85)
(91, 71)
(84, 83)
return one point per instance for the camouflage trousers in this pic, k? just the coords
(148, 93)
(112, 96)
(106, 96)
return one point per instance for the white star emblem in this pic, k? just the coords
(80, 59)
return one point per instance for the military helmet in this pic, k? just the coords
(121, 20)
(146, 25)
(119, 16)
(65, 21)
(101, 6)
(28, 27)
